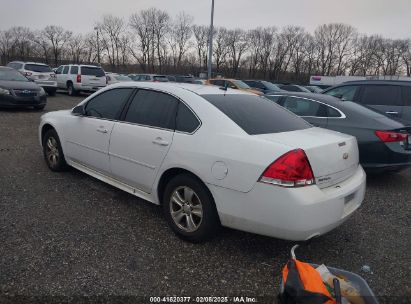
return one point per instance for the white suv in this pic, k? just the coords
(77, 78)
(40, 73)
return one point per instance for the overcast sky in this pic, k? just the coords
(390, 18)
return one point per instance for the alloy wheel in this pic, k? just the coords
(186, 209)
(52, 151)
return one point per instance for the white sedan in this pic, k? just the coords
(210, 157)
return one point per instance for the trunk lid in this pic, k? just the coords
(333, 156)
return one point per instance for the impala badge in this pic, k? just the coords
(345, 155)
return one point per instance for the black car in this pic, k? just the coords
(384, 143)
(293, 88)
(391, 97)
(264, 86)
(17, 91)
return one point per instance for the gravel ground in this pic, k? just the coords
(67, 234)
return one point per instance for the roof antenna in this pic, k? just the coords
(224, 88)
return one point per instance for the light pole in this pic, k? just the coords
(98, 45)
(210, 41)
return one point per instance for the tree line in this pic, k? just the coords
(152, 41)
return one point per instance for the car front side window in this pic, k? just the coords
(344, 92)
(108, 104)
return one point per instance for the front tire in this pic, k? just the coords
(190, 209)
(53, 153)
(40, 108)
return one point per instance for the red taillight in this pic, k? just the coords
(78, 78)
(290, 170)
(390, 136)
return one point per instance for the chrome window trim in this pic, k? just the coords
(142, 125)
(343, 116)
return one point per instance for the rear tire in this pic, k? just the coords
(53, 153)
(71, 90)
(189, 209)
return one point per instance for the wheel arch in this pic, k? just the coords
(45, 128)
(170, 173)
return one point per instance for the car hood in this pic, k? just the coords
(21, 85)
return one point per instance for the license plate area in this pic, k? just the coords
(349, 203)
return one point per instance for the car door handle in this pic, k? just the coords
(159, 141)
(104, 131)
(391, 112)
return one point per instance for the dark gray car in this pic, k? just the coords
(17, 91)
(384, 143)
(391, 97)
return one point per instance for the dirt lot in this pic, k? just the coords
(67, 234)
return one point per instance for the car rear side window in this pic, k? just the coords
(92, 71)
(186, 121)
(108, 104)
(255, 114)
(305, 107)
(154, 109)
(74, 70)
(406, 95)
(381, 95)
(65, 70)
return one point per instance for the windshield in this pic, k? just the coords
(11, 75)
(240, 84)
(122, 78)
(92, 71)
(271, 86)
(39, 68)
(257, 115)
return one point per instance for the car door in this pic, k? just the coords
(406, 97)
(384, 98)
(87, 137)
(140, 142)
(312, 111)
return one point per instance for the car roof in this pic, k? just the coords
(28, 62)
(171, 87)
(399, 82)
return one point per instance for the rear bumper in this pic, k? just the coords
(293, 214)
(11, 101)
(379, 156)
(47, 84)
(88, 88)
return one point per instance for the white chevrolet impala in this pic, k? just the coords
(210, 157)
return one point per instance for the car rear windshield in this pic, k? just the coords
(256, 115)
(39, 68)
(90, 71)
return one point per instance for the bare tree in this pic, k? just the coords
(179, 37)
(201, 35)
(57, 38)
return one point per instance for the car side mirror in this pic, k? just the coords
(79, 111)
